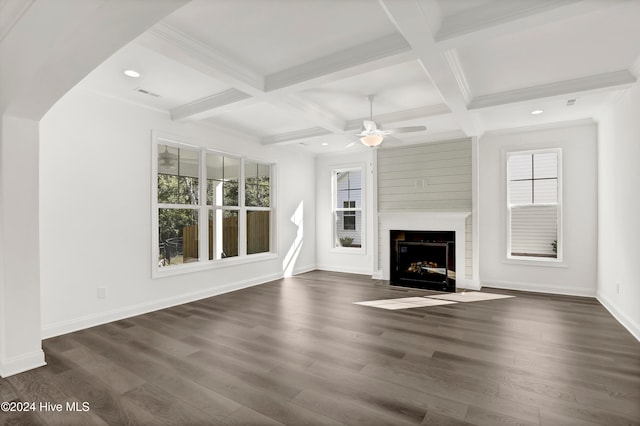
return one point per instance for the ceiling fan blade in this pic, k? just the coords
(408, 129)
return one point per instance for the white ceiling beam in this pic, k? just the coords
(364, 54)
(291, 137)
(504, 17)
(590, 84)
(248, 86)
(200, 109)
(412, 21)
(187, 50)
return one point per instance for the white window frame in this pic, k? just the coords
(559, 246)
(334, 209)
(203, 262)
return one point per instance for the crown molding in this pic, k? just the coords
(204, 107)
(452, 58)
(615, 79)
(545, 126)
(399, 116)
(10, 13)
(294, 136)
(183, 48)
(366, 53)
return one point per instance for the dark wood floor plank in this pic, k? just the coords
(299, 351)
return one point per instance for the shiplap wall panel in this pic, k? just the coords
(429, 177)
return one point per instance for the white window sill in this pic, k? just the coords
(169, 271)
(348, 250)
(532, 261)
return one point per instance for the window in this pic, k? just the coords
(347, 208)
(209, 206)
(534, 204)
(257, 200)
(223, 176)
(178, 198)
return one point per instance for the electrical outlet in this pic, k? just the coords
(102, 292)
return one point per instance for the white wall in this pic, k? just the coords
(618, 209)
(95, 201)
(577, 273)
(343, 259)
(64, 41)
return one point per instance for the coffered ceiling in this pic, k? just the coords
(298, 73)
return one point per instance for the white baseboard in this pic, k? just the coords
(622, 318)
(303, 269)
(69, 326)
(346, 270)
(21, 363)
(377, 275)
(567, 291)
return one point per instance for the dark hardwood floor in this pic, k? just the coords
(299, 352)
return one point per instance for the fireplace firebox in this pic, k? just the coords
(423, 259)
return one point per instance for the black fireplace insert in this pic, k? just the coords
(423, 259)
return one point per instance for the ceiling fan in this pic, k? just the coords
(371, 135)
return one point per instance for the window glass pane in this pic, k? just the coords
(520, 167)
(258, 231)
(257, 184)
(534, 231)
(178, 236)
(222, 180)
(189, 163)
(167, 160)
(223, 233)
(520, 192)
(545, 165)
(178, 171)
(348, 228)
(545, 191)
(349, 189)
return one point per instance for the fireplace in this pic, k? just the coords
(423, 259)
(419, 221)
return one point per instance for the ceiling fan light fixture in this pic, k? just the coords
(371, 140)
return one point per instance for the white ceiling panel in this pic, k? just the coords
(558, 51)
(262, 119)
(298, 73)
(554, 110)
(172, 82)
(274, 35)
(399, 87)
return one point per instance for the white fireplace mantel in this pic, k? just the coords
(423, 221)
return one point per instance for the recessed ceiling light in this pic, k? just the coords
(536, 112)
(324, 143)
(131, 73)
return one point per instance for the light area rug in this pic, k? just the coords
(469, 296)
(404, 303)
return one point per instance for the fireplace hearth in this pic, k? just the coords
(423, 259)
